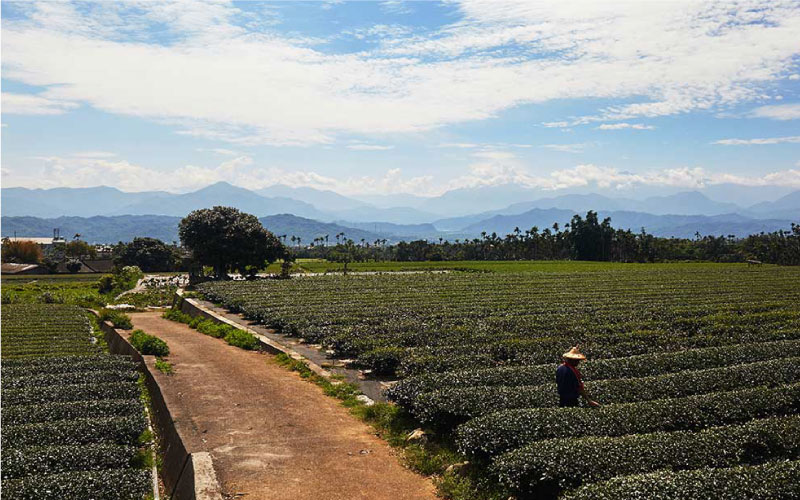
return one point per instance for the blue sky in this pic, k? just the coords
(390, 97)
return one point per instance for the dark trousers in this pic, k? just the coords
(568, 402)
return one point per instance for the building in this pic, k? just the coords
(17, 269)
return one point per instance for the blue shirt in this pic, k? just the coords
(568, 383)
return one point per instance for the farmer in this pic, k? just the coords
(568, 378)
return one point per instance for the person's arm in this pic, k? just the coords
(586, 398)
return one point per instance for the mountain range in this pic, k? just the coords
(105, 214)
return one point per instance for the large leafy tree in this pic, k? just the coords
(229, 240)
(149, 254)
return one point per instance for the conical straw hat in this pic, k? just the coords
(574, 353)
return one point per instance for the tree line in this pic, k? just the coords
(583, 238)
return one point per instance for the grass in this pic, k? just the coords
(431, 456)
(164, 366)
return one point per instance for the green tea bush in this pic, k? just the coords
(507, 429)
(405, 391)
(770, 481)
(110, 484)
(71, 410)
(554, 464)
(63, 393)
(117, 430)
(148, 344)
(43, 460)
(85, 377)
(460, 403)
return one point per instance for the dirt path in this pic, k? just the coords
(271, 434)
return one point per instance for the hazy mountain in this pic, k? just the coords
(82, 202)
(308, 229)
(576, 202)
(396, 215)
(98, 229)
(465, 201)
(224, 194)
(392, 200)
(744, 196)
(327, 201)
(682, 226)
(387, 228)
(685, 203)
(787, 206)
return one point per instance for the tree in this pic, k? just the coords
(80, 249)
(345, 253)
(73, 265)
(22, 252)
(149, 254)
(227, 239)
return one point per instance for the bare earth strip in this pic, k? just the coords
(271, 434)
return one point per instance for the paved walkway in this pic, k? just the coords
(271, 434)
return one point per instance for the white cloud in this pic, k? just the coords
(778, 112)
(30, 104)
(219, 151)
(624, 125)
(555, 124)
(670, 57)
(461, 145)
(794, 77)
(762, 141)
(369, 147)
(566, 148)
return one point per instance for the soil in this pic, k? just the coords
(271, 434)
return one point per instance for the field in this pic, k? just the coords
(697, 367)
(73, 421)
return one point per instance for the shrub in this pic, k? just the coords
(644, 365)
(770, 481)
(118, 430)
(241, 338)
(56, 459)
(455, 404)
(105, 284)
(120, 484)
(148, 344)
(116, 318)
(70, 410)
(503, 430)
(559, 463)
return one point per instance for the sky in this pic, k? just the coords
(390, 97)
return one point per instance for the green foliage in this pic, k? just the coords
(770, 481)
(227, 239)
(643, 365)
(110, 484)
(456, 404)
(148, 344)
(71, 415)
(550, 465)
(116, 318)
(241, 339)
(164, 366)
(148, 254)
(23, 252)
(507, 429)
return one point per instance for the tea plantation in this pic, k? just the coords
(72, 415)
(697, 367)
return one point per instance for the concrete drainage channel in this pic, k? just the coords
(187, 475)
(276, 343)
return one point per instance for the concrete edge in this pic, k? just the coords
(194, 308)
(186, 475)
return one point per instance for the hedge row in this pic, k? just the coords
(452, 405)
(118, 430)
(643, 365)
(72, 378)
(67, 364)
(508, 429)
(232, 335)
(120, 484)
(21, 462)
(73, 410)
(413, 362)
(547, 466)
(770, 481)
(77, 392)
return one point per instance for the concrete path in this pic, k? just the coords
(271, 434)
